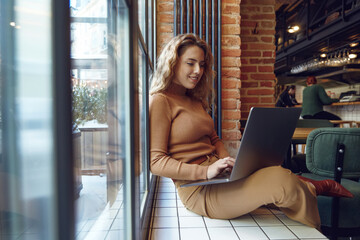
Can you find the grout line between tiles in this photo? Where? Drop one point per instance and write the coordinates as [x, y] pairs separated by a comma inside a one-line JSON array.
[[206, 228], [287, 227], [234, 230], [177, 212], [259, 226]]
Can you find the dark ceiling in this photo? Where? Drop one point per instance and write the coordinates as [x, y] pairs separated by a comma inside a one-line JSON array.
[[325, 27]]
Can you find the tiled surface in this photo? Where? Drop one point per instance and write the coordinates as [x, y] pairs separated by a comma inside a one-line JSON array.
[[171, 220]]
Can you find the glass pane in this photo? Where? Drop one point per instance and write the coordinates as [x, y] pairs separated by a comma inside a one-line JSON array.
[[27, 164], [100, 71], [150, 30], [142, 131], [141, 16]]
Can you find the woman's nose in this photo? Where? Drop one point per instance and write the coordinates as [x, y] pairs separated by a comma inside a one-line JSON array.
[[197, 68]]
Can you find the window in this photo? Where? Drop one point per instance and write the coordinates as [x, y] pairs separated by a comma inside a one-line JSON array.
[[73, 123]]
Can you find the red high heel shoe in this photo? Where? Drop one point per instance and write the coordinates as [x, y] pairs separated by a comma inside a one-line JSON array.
[[328, 187]]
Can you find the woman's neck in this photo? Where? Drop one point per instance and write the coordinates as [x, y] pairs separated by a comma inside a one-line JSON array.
[[176, 89]]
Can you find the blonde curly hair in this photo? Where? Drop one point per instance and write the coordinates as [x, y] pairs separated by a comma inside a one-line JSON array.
[[169, 57]]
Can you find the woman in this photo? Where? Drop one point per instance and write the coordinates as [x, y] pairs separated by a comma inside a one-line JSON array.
[[184, 145], [314, 98], [287, 97]]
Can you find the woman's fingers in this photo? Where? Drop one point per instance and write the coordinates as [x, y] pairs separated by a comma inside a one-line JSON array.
[[221, 166]]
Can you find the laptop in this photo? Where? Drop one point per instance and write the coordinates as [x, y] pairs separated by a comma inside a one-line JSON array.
[[265, 142]]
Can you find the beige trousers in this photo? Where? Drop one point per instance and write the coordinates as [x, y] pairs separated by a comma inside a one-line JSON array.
[[271, 185]]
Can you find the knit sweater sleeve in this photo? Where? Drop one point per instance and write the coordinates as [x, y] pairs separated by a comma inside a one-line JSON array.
[[324, 98], [219, 146], [160, 162]]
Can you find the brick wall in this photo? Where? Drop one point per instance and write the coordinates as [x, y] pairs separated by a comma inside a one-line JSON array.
[[258, 54], [247, 59]]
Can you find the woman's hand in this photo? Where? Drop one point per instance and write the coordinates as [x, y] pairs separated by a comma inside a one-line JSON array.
[[220, 166]]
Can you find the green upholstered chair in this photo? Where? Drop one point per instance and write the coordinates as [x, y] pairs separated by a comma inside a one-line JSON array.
[[334, 153]]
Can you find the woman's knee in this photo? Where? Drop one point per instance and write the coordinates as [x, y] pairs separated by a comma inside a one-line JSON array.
[[281, 178]]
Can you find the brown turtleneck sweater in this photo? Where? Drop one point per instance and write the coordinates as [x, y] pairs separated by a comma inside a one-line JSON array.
[[181, 131]]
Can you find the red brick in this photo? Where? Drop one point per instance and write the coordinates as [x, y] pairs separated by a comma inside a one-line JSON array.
[[259, 2], [261, 46], [165, 18], [228, 125], [267, 24], [231, 135], [230, 41], [250, 100], [244, 77], [228, 52], [263, 76], [250, 54], [269, 60], [268, 39], [266, 32], [165, 7], [263, 16], [249, 9], [248, 69], [231, 114], [230, 9], [230, 83], [260, 92], [267, 84], [231, 62], [268, 53], [244, 61], [231, 29], [266, 68], [268, 9], [249, 84], [231, 1], [231, 72], [243, 46], [166, 28], [229, 104], [249, 39], [248, 24], [267, 100], [245, 31], [230, 94], [230, 19]]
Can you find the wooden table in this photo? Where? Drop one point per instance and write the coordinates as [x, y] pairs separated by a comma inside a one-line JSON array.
[[301, 134]]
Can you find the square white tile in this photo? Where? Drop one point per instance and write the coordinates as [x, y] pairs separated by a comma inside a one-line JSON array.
[[166, 189], [165, 234], [165, 203], [96, 235], [118, 224], [222, 234], [306, 232], [250, 233], [216, 223], [244, 221], [165, 222], [115, 235], [267, 220], [192, 222], [288, 221], [184, 212], [165, 212], [180, 204], [193, 233], [279, 232], [166, 195]]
